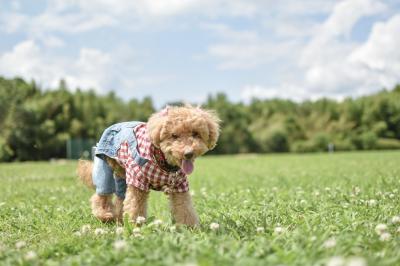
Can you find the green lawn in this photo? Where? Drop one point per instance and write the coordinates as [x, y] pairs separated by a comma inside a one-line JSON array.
[[316, 209]]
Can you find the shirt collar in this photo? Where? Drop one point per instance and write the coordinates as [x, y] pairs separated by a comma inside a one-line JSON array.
[[159, 158]]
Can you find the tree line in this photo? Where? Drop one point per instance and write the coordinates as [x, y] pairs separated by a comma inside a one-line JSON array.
[[35, 124]]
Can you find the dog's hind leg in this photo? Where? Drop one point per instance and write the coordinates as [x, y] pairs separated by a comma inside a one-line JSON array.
[[182, 209], [102, 207], [118, 209], [135, 203]]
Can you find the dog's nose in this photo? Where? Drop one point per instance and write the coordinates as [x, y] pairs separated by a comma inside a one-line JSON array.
[[188, 155]]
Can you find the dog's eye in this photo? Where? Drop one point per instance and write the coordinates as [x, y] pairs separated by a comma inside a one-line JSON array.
[[174, 136], [195, 134]]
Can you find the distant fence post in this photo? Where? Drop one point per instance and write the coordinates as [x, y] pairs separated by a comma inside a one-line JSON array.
[[79, 148], [331, 147]]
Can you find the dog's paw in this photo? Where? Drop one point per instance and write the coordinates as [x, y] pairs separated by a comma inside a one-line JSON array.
[[102, 208], [105, 217]]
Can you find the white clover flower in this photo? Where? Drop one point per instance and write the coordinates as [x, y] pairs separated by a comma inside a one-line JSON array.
[[140, 220], [85, 229], [303, 202], [380, 254], [317, 193], [100, 231], [327, 189], [119, 230], [356, 190], [396, 219], [279, 230], [157, 222], [335, 261], [140, 236], [2, 204], [329, 243], [78, 234], [385, 236], [372, 202], [398, 230], [380, 228], [20, 244], [120, 245], [356, 261], [30, 255], [260, 229], [391, 196], [214, 226], [172, 228], [137, 233]]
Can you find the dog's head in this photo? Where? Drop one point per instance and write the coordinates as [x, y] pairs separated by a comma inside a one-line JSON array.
[[183, 134]]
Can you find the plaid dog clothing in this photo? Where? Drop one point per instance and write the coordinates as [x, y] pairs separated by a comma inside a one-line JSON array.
[[150, 175]]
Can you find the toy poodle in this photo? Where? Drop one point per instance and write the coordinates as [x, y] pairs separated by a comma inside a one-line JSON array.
[[133, 158]]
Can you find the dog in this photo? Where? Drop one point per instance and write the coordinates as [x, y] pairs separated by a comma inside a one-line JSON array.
[[133, 158]]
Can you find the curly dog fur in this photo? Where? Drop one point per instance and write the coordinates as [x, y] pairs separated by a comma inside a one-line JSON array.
[[177, 132]]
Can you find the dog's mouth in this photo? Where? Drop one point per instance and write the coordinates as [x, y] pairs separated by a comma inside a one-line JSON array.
[[187, 166]]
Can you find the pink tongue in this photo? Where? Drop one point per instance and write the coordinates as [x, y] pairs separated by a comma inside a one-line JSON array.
[[187, 166]]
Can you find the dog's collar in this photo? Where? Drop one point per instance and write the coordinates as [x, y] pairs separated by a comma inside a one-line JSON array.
[[159, 158]]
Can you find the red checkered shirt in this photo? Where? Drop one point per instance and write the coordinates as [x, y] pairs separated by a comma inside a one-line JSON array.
[[150, 175]]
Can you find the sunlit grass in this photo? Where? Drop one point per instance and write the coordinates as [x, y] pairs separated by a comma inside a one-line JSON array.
[[255, 210]]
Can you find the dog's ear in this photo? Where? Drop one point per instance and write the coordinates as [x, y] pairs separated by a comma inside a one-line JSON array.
[[155, 125], [213, 124]]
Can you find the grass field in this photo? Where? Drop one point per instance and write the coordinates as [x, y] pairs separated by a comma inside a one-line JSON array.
[[316, 209]]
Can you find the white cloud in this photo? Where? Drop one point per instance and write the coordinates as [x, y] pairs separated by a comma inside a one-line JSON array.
[[83, 15], [325, 44], [335, 66], [248, 49], [12, 21], [245, 49], [379, 57], [286, 91], [346, 13], [91, 69], [49, 22], [15, 4], [328, 61]]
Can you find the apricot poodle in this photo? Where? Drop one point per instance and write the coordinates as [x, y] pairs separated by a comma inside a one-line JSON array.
[[133, 158]]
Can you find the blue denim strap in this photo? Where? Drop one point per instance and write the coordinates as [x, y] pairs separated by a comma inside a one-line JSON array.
[[102, 176], [120, 187]]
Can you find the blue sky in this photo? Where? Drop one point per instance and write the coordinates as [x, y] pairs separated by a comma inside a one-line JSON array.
[[186, 49]]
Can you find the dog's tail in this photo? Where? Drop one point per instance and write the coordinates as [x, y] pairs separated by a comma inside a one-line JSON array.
[[84, 170]]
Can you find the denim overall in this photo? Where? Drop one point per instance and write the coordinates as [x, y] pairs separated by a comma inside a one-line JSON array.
[[103, 178]]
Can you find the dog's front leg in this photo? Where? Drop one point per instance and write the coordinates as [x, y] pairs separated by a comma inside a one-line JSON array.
[[182, 209], [135, 203]]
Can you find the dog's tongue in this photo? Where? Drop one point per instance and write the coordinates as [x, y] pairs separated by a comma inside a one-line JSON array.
[[187, 166]]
